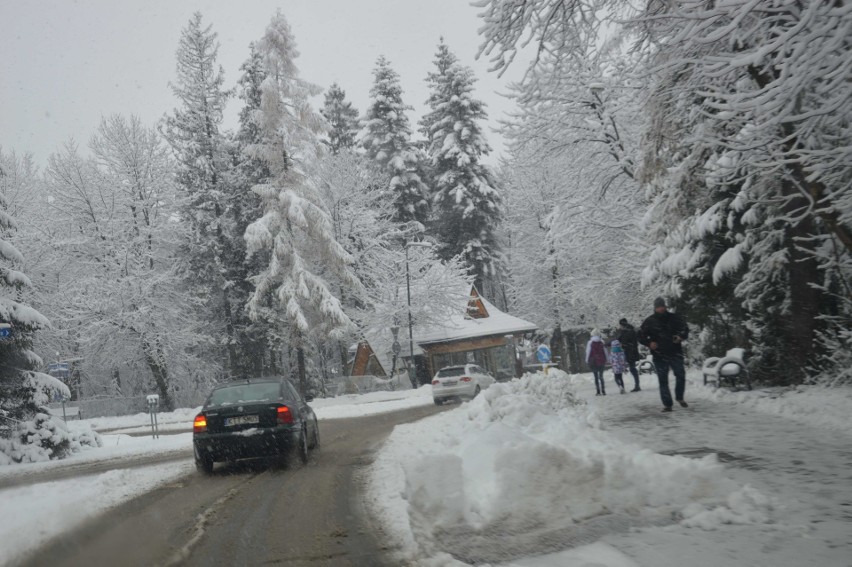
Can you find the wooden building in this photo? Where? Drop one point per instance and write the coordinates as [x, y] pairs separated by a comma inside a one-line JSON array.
[[478, 333]]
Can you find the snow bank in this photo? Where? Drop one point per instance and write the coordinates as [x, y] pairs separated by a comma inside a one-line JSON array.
[[526, 461], [818, 406], [359, 405], [38, 512]]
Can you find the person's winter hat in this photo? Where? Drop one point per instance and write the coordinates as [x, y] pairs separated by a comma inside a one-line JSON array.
[[596, 333], [622, 322], [659, 302]]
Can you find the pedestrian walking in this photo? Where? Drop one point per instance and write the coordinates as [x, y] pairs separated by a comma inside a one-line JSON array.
[[596, 357], [619, 363], [627, 337], [663, 333]]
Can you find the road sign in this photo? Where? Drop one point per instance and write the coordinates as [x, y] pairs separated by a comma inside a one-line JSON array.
[[59, 370], [5, 331], [396, 348], [543, 354]]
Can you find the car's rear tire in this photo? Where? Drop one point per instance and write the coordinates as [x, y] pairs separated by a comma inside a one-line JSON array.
[[204, 463], [439, 402], [316, 443], [301, 450], [476, 391]]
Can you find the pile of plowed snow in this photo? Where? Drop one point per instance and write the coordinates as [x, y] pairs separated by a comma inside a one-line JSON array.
[[523, 468]]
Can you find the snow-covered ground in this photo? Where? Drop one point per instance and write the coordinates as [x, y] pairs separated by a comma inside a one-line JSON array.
[[358, 405], [540, 472], [355, 405], [33, 514]]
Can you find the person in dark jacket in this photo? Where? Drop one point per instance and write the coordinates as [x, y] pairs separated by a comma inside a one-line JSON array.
[[627, 337], [663, 332]]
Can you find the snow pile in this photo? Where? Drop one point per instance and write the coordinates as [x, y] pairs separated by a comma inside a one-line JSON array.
[[525, 465], [814, 405]]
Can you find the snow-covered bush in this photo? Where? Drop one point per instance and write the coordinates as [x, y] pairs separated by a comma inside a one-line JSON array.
[[37, 435]]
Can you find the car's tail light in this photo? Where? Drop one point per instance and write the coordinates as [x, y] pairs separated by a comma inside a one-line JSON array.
[[200, 423], [435, 382], [285, 415], [465, 378]]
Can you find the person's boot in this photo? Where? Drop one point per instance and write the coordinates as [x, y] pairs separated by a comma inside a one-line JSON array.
[[667, 408], [683, 404]]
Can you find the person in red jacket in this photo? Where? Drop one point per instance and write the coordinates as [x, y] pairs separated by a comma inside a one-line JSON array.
[[596, 358], [663, 333]]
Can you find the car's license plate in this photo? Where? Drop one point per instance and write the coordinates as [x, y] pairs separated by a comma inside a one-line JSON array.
[[241, 420], [450, 382]]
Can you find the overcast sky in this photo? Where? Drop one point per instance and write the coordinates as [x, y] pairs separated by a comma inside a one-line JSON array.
[[64, 64]]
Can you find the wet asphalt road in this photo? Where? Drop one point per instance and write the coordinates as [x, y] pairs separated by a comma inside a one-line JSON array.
[[250, 513]]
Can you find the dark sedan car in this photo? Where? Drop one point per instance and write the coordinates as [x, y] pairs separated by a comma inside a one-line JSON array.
[[254, 418]]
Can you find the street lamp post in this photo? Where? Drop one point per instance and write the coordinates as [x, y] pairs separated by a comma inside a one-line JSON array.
[[412, 368]]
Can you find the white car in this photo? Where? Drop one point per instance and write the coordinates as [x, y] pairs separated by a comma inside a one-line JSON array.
[[460, 382]]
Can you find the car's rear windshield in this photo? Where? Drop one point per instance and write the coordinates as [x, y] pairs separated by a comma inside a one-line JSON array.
[[453, 371], [245, 393]]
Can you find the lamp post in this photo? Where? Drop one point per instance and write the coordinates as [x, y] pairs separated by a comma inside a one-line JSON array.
[[412, 368]]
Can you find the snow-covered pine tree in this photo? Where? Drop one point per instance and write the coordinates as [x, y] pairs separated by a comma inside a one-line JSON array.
[[343, 119], [295, 228], [444, 59], [26, 434], [466, 200], [387, 141], [215, 250]]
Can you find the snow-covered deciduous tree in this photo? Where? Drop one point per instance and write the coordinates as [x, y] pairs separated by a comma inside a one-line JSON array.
[[295, 228], [116, 286], [387, 141], [573, 258], [466, 200], [342, 119]]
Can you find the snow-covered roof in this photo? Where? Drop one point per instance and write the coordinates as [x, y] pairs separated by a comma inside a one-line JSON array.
[[461, 326], [487, 321]]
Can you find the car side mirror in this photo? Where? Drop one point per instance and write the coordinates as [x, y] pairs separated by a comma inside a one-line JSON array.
[[309, 398]]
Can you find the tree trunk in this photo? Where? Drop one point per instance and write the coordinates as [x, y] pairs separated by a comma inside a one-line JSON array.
[[155, 359], [300, 362], [799, 328], [236, 371]]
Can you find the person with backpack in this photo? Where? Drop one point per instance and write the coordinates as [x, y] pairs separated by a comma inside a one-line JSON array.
[[619, 363], [663, 332], [596, 358], [627, 337]]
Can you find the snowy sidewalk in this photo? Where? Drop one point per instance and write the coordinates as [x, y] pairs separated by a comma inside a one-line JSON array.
[[543, 466], [807, 469]]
